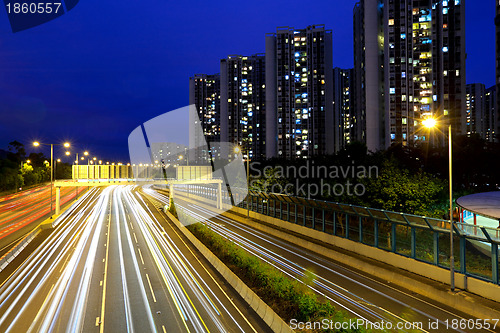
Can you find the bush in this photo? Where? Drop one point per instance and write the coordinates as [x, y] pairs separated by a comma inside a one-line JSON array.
[[289, 298]]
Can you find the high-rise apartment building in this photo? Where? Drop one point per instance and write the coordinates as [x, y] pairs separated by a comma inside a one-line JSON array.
[[369, 117], [243, 97], [475, 122], [299, 92], [497, 24], [422, 74], [342, 106], [204, 93], [491, 115]]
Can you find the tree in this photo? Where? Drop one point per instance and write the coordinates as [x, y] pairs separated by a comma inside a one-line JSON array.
[[17, 151], [269, 182], [397, 190]]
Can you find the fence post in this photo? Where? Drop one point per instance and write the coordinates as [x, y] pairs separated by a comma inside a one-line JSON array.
[[347, 226], [494, 263], [323, 219], [313, 217], [436, 248], [375, 232], [463, 264], [413, 243], [393, 237], [334, 222]]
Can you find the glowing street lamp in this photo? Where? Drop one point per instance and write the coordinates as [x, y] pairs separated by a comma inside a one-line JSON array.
[[21, 169], [431, 123], [66, 145]]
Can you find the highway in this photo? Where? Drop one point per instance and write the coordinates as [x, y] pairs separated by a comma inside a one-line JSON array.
[[22, 212], [113, 264], [357, 293]]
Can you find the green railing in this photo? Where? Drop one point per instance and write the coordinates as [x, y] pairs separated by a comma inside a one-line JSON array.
[[417, 237]]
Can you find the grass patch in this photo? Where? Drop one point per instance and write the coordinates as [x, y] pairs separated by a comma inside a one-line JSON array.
[[289, 298]]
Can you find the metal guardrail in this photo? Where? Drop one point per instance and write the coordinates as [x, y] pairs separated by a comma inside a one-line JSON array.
[[418, 237]]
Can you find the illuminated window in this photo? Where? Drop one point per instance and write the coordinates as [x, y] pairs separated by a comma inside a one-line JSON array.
[[391, 21]]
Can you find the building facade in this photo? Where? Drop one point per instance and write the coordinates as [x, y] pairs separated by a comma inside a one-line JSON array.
[[342, 106], [243, 100], [204, 93], [475, 122], [422, 74], [491, 114], [299, 92], [497, 24], [369, 117]]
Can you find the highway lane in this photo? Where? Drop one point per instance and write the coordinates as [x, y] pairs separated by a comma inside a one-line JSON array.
[[110, 266], [22, 212], [357, 293]]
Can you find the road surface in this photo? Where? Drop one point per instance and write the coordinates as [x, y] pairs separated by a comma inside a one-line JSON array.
[[357, 293], [111, 266]]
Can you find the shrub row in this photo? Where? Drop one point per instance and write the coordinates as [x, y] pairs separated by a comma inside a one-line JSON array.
[[289, 298]]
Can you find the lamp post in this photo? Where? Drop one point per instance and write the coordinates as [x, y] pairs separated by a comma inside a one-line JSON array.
[[432, 123], [55, 168], [66, 145], [21, 169], [237, 150]]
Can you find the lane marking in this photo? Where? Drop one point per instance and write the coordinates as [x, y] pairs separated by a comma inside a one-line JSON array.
[[135, 238], [151, 288], [140, 255], [101, 330], [96, 321], [163, 328]]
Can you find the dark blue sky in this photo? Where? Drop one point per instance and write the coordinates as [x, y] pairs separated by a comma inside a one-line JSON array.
[[99, 71]]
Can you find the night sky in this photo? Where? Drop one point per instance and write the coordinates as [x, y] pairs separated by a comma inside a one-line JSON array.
[[93, 75]]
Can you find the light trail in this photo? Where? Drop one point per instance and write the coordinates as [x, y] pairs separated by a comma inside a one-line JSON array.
[[265, 248], [110, 263]]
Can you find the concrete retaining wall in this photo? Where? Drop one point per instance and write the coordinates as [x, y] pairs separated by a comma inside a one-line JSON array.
[[259, 306], [458, 301]]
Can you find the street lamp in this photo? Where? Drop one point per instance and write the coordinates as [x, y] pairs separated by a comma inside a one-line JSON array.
[[21, 169], [55, 168], [66, 145], [238, 150], [432, 123]]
